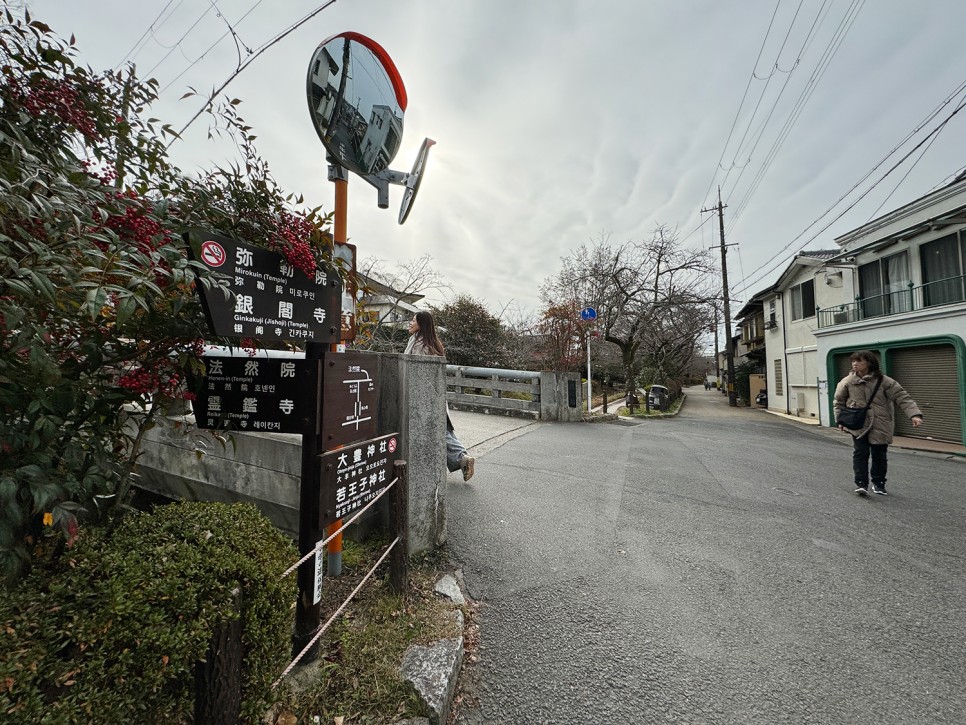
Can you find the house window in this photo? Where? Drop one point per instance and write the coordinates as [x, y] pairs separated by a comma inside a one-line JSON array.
[[884, 286], [803, 300], [779, 383], [942, 270]]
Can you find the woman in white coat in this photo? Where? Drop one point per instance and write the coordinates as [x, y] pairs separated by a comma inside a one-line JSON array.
[[424, 340]]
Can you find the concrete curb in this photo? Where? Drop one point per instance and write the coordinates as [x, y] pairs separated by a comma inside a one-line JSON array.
[[433, 670]]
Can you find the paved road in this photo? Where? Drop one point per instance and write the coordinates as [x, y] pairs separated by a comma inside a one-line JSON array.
[[710, 568]]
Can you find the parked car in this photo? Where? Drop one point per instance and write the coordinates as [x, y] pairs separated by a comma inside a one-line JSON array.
[[656, 394], [762, 398]]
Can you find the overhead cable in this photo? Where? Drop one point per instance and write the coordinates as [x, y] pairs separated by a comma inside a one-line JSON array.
[[928, 138]]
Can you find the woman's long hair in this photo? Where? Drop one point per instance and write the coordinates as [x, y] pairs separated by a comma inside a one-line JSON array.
[[427, 333], [870, 359]]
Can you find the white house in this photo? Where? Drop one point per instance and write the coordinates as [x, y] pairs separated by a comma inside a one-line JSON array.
[[903, 278], [381, 305], [793, 366]]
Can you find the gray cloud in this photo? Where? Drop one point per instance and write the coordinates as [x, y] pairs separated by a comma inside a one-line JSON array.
[[559, 121]]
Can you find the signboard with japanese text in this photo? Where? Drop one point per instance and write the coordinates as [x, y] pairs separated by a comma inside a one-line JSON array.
[[353, 476], [268, 298], [266, 395], [350, 396]]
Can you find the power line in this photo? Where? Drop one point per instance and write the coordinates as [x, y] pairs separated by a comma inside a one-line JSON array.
[[761, 131], [145, 34], [179, 41], [764, 89], [922, 124], [909, 171], [741, 104], [251, 59], [817, 74], [928, 137], [207, 50], [239, 43]]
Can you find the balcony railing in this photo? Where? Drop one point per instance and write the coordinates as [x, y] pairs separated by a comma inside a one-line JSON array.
[[942, 292]]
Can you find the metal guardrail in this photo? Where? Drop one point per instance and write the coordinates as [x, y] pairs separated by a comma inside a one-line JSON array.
[[934, 294]]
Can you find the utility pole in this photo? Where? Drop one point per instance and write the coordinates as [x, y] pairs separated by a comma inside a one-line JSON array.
[[717, 351], [729, 341], [120, 159]]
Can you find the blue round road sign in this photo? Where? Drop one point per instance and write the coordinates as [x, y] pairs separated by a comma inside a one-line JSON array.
[[588, 314]]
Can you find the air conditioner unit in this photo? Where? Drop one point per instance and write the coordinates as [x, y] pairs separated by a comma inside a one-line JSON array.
[[840, 318]]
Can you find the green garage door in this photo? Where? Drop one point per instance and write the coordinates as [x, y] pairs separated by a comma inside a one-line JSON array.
[[931, 376]]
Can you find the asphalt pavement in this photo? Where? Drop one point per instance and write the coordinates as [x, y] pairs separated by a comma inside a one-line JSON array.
[[713, 567]]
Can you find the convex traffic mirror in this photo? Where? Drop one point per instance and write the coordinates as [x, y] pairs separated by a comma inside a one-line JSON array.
[[357, 101]]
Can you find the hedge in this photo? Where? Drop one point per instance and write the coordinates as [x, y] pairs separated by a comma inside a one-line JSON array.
[[112, 631]]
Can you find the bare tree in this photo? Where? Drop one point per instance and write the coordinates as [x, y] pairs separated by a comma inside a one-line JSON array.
[[521, 339], [647, 294], [389, 296]]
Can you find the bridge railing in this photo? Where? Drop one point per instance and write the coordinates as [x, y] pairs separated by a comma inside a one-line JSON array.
[[523, 393]]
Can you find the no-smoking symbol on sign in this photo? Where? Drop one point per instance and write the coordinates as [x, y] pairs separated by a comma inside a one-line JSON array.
[[392, 445], [213, 254]]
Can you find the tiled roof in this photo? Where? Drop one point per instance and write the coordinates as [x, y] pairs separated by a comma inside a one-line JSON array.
[[819, 253]]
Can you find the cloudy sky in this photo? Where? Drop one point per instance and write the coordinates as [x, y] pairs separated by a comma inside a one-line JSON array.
[[560, 121]]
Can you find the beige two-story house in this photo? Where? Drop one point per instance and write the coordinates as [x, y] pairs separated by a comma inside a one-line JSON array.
[[793, 367]]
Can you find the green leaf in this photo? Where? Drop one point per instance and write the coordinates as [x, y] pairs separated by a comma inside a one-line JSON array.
[[20, 286], [126, 309], [30, 471], [95, 300], [44, 494], [8, 489]]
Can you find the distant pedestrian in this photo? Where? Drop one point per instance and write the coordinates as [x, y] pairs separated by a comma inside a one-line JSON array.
[[424, 340], [866, 385]]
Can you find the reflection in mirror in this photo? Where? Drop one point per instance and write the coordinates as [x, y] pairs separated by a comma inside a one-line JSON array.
[[356, 100]]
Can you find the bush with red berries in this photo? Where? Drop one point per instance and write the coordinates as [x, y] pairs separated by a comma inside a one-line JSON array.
[[99, 321]]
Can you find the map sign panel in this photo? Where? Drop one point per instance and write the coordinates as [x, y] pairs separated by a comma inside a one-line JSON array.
[[267, 395], [350, 396], [268, 298], [353, 476]]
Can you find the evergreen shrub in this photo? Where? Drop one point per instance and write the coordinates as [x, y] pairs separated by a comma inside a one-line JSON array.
[[111, 631]]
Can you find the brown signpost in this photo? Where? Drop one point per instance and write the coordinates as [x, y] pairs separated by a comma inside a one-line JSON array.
[[350, 397], [354, 475]]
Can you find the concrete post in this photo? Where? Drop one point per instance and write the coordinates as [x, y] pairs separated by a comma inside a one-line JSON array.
[[413, 401]]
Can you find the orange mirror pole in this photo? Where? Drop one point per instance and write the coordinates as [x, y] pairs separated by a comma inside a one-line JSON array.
[[340, 236]]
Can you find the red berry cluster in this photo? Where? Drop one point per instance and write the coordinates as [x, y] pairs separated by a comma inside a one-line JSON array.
[[56, 98], [159, 378], [106, 175], [292, 239], [140, 380], [135, 225]]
